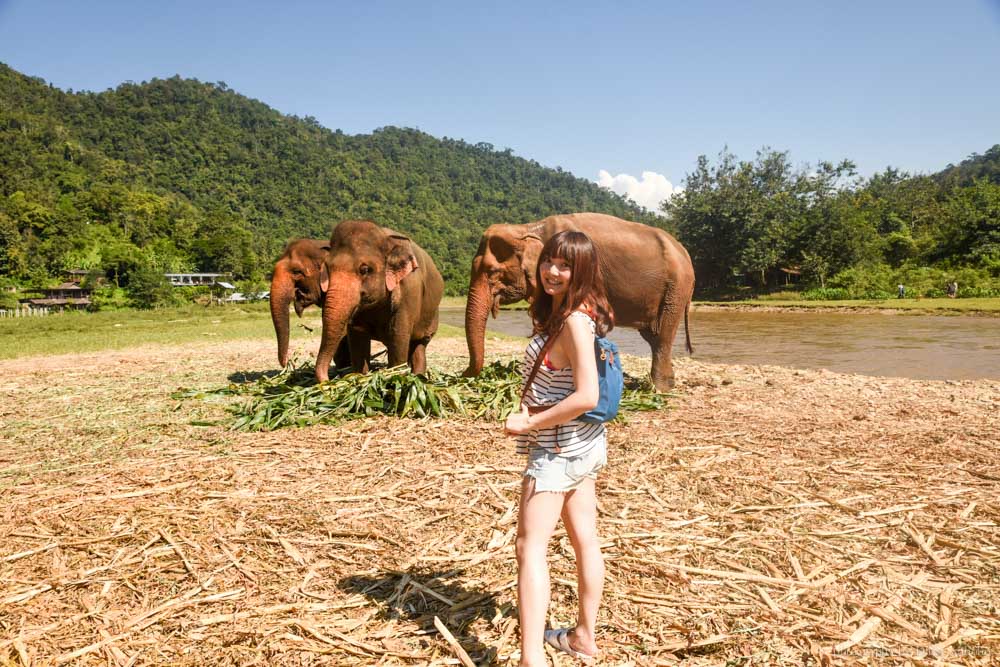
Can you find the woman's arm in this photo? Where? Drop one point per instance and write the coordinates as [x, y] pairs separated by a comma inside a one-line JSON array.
[[578, 341]]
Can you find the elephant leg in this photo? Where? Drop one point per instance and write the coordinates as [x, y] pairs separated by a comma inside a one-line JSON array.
[[663, 366], [662, 372], [342, 359], [398, 343], [361, 350], [418, 356], [418, 349]]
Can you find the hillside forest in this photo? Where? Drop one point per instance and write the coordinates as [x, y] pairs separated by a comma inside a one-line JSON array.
[[178, 175]]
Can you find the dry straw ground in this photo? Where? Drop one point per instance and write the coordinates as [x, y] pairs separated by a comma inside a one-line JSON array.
[[770, 517]]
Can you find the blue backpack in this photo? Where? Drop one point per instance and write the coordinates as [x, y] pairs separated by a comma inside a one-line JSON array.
[[610, 379]]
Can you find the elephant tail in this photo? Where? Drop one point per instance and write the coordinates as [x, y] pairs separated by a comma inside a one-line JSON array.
[[687, 328]]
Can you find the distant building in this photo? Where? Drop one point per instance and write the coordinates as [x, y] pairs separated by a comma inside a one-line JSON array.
[[75, 275], [194, 279], [68, 296], [792, 273]]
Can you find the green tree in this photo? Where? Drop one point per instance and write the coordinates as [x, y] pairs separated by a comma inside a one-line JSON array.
[[750, 218], [970, 225], [148, 288]]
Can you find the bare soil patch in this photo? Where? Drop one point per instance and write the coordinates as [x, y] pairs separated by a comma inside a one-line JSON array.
[[771, 516]]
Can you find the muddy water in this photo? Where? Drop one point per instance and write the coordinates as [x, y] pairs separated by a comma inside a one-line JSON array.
[[914, 346]]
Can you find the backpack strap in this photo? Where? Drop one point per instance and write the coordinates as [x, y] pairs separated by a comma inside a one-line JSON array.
[[545, 350], [538, 360]]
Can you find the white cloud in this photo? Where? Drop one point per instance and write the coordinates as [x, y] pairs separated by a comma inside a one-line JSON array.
[[648, 192]]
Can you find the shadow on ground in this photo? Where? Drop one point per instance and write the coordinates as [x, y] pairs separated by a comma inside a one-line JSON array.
[[418, 595]]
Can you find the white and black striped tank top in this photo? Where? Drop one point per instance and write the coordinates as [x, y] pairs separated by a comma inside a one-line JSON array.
[[574, 438]]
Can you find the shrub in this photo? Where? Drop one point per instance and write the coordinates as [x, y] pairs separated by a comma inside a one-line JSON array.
[[8, 299], [879, 281], [784, 295], [148, 288], [826, 294], [978, 292], [109, 297], [875, 295], [865, 282]]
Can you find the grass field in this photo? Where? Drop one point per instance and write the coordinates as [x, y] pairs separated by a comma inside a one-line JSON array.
[[89, 332]]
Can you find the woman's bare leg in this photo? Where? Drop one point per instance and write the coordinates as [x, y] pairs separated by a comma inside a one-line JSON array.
[[537, 517], [579, 515]]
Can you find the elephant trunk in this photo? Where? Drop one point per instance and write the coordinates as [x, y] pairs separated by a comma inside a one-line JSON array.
[[342, 301], [479, 304], [282, 292]]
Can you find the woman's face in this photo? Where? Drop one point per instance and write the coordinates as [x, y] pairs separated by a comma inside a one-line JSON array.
[[556, 274]]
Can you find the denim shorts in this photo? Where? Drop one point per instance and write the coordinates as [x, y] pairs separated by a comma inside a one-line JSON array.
[[554, 472]]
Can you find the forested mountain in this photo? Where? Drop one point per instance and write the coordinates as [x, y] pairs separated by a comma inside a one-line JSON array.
[[180, 175], [976, 166]]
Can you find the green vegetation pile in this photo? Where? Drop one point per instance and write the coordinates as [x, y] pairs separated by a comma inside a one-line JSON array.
[[293, 398]]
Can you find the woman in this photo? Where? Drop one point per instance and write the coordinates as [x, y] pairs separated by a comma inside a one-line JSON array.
[[564, 454]]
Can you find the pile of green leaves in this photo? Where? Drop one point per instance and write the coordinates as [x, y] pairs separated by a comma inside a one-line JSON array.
[[292, 397]]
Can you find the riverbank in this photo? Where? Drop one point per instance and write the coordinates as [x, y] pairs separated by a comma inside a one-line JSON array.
[[90, 332], [986, 307], [770, 514], [973, 306]]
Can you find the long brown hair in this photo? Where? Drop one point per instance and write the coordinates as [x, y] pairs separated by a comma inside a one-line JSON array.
[[586, 285]]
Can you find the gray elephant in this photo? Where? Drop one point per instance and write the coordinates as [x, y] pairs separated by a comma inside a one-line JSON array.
[[296, 279], [379, 285], [647, 273]]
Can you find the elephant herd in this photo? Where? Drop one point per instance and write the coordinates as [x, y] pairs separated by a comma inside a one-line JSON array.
[[375, 284]]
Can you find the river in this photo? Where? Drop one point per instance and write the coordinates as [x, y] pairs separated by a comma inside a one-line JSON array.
[[925, 347]]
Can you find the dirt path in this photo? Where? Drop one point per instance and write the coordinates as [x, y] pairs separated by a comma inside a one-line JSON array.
[[770, 516]]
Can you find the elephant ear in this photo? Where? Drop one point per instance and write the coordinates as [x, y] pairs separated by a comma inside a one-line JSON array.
[[530, 249], [318, 260], [399, 260], [324, 278]]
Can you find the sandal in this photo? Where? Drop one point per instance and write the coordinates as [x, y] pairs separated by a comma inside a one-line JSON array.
[[558, 639]]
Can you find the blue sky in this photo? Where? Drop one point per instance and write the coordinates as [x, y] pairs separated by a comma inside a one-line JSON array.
[[622, 87]]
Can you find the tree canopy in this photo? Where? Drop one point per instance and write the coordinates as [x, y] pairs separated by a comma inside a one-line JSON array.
[[179, 175], [747, 222]]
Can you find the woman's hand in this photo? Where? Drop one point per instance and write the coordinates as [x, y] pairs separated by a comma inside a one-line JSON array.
[[517, 423]]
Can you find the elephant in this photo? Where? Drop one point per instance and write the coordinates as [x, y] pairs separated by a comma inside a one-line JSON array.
[[296, 277], [647, 273], [379, 285]]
